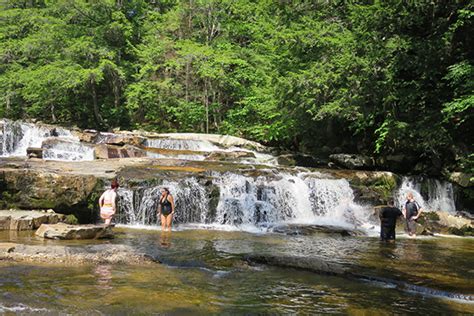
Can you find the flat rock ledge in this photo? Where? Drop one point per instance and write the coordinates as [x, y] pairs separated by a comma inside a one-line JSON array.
[[90, 254], [67, 232], [309, 230], [27, 220]]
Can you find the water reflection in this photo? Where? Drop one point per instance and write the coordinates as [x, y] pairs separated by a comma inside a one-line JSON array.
[[411, 251], [388, 250], [165, 240], [103, 272]]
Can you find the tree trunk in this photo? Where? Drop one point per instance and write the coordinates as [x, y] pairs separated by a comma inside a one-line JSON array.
[[98, 118]]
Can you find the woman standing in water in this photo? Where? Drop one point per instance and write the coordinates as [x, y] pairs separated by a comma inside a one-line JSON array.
[[107, 202], [166, 209]]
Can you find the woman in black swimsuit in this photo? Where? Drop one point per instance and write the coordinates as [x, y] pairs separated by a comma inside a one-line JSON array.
[[166, 209]]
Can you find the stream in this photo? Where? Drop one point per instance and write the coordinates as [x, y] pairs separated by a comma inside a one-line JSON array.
[[203, 272]]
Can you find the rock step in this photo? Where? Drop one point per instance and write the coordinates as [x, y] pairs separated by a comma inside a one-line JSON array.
[[68, 232], [90, 254], [27, 220]]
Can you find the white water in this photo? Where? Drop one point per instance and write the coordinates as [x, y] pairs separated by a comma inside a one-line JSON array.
[[17, 136], [250, 204], [203, 146], [440, 196]]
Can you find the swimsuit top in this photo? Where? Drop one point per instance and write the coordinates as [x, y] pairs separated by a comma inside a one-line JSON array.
[[164, 201]]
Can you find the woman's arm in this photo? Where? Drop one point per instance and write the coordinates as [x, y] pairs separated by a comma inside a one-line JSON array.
[[171, 200], [101, 200], [114, 197]]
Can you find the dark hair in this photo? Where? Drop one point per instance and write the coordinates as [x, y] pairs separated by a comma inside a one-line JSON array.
[[166, 189], [114, 184], [391, 202]]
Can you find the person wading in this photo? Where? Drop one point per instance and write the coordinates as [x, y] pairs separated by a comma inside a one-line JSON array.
[[388, 220], [166, 209], [107, 203], [411, 211]]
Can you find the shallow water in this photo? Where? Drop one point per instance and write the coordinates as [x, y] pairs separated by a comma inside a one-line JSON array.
[[203, 272]]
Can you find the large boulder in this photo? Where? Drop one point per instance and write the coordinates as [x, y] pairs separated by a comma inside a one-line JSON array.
[[64, 231], [352, 161], [27, 220], [105, 151], [44, 189]]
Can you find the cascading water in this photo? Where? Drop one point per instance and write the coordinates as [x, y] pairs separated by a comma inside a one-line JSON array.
[[58, 143], [17, 136], [202, 149], [242, 202], [431, 194], [181, 144]]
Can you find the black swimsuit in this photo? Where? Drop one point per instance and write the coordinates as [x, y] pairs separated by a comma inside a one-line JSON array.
[[166, 208]]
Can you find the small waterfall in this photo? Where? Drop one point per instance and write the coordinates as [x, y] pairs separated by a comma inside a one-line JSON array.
[[17, 136], [65, 149], [180, 144], [431, 194], [244, 202]]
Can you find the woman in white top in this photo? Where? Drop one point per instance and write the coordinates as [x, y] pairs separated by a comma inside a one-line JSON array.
[[107, 203]]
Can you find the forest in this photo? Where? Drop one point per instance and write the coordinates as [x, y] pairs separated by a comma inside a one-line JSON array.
[[372, 77]]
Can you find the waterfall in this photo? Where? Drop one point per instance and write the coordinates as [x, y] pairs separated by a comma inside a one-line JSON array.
[[243, 202], [180, 144], [431, 194], [58, 143]]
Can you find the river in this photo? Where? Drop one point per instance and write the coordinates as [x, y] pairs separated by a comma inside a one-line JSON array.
[[203, 272]]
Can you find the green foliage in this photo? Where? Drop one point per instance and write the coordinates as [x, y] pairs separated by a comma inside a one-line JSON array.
[[378, 77], [71, 220]]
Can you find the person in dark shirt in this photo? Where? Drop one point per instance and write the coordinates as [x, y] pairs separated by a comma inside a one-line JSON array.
[[411, 210], [388, 219]]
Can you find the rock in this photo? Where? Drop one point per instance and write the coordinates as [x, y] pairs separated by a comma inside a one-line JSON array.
[[64, 231], [294, 229], [463, 179], [44, 189], [122, 139], [397, 163], [304, 263], [229, 155], [87, 135], [104, 151], [26, 220], [286, 160], [352, 161], [300, 159], [90, 254], [439, 222], [34, 152]]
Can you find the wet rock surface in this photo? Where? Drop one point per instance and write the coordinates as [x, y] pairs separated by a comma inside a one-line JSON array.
[[68, 232], [27, 220], [308, 230], [90, 254], [352, 161]]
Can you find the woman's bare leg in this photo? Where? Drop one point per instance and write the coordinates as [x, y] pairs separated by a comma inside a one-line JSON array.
[[107, 221], [169, 219], [163, 222]]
